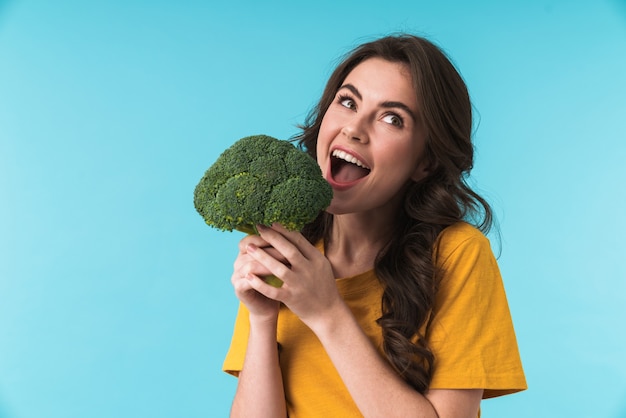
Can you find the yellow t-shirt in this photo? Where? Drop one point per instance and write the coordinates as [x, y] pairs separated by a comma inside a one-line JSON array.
[[469, 331]]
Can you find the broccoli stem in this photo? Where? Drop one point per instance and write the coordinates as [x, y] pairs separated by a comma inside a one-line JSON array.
[[273, 281], [247, 229], [270, 279]]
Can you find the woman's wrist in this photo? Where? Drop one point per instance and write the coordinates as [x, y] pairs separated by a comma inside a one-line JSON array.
[[329, 323], [264, 321]]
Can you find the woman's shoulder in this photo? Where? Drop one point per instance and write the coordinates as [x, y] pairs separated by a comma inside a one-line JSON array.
[[460, 237], [460, 232]]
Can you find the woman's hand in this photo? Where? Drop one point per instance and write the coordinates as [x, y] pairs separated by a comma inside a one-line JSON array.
[[309, 288], [246, 268]]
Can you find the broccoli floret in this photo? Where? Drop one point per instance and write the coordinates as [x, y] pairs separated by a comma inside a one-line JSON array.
[[261, 180]]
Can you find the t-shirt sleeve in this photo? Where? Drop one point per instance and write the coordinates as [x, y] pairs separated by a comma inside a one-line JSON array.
[[233, 363], [470, 331]]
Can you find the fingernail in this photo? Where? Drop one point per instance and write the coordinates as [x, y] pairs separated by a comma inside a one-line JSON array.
[[261, 227], [251, 248]]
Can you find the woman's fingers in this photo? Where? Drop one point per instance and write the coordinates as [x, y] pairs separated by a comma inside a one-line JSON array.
[[259, 285], [257, 303], [260, 243], [252, 239], [274, 266], [288, 243]]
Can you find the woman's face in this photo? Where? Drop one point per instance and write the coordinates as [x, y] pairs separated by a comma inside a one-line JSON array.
[[371, 140]]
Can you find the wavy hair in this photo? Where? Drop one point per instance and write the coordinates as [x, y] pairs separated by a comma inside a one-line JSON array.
[[404, 266]]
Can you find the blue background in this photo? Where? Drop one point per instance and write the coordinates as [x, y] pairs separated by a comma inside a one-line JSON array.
[[115, 298]]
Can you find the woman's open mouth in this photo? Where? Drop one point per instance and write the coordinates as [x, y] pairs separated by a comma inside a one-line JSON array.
[[346, 168]]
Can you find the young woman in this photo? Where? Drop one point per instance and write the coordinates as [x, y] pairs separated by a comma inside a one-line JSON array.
[[392, 303]]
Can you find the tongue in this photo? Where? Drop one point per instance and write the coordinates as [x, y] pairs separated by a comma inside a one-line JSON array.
[[346, 173]]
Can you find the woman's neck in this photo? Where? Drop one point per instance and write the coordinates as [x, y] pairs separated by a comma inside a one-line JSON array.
[[355, 242]]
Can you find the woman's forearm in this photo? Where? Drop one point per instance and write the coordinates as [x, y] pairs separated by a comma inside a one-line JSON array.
[[260, 391], [375, 387]]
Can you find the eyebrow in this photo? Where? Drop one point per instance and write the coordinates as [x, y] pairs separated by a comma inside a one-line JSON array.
[[388, 104]]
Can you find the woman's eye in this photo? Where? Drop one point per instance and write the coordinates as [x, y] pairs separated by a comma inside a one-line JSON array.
[[347, 102], [393, 119]]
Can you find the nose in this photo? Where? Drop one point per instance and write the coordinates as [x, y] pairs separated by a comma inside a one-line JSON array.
[[356, 130]]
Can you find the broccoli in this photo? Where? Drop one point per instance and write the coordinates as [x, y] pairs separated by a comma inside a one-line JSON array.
[[261, 180]]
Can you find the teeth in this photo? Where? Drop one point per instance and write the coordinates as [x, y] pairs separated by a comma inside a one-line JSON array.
[[349, 158]]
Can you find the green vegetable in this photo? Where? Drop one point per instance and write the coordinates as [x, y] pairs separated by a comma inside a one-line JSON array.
[[262, 180]]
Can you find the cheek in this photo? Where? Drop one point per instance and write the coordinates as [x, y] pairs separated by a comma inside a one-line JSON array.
[[324, 128], [331, 123]]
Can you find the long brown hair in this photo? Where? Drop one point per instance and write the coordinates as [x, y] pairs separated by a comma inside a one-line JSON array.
[[405, 265]]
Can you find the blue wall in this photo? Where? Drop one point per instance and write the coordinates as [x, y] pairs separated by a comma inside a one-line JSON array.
[[114, 296]]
